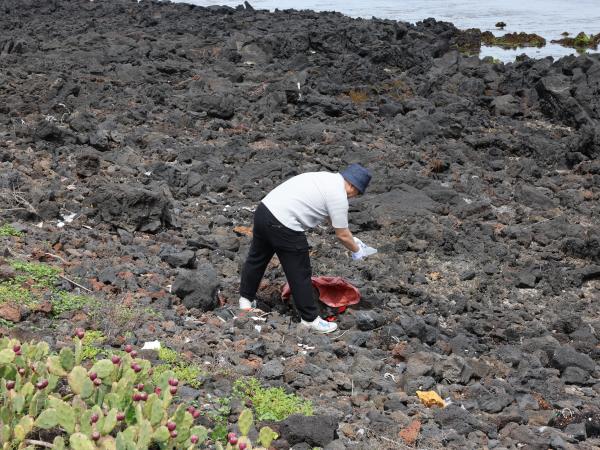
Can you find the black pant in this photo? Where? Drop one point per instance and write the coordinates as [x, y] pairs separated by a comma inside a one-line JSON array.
[[272, 237]]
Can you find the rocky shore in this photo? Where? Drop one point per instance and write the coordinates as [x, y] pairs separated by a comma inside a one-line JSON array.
[[136, 139]]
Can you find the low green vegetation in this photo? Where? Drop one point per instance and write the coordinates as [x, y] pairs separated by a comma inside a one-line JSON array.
[[220, 418], [13, 292], [8, 230], [53, 401], [271, 403], [35, 286], [33, 283], [186, 371], [63, 302], [513, 40], [29, 284], [580, 42], [41, 275], [6, 323], [90, 344]]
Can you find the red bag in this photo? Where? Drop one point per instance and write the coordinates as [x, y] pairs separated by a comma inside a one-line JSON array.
[[333, 291]]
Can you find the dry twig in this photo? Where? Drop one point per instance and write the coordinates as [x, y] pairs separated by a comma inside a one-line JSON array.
[[16, 201], [76, 284]]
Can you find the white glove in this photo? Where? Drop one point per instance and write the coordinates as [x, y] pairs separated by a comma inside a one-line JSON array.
[[363, 250]]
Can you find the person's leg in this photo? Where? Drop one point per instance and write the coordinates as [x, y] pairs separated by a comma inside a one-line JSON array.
[[254, 268], [297, 269], [296, 265], [259, 255]]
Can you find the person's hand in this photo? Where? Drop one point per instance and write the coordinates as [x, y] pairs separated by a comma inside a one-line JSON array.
[[363, 250]]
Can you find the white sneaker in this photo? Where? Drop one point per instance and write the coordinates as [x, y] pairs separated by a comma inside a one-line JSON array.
[[247, 305], [320, 326]]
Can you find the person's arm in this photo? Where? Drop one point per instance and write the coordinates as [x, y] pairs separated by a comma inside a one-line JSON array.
[[346, 238]]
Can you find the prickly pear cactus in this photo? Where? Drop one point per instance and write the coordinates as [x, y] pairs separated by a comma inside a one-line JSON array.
[[265, 436], [111, 406]]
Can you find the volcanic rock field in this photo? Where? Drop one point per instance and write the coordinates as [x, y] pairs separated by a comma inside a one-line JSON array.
[[137, 138]]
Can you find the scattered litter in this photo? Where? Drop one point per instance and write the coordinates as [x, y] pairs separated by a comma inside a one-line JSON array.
[[67, 218], [40, 225], [148, 173], [246, 231], [431, 398], [389, 375], [468, 201], [169, 287], [151, 345], [258, 328], [305, 347], [261, 319]]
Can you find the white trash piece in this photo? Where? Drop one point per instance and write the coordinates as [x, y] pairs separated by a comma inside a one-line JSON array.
[[151, 345]]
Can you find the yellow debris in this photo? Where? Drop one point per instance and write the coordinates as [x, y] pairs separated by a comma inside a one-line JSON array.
[[431, 398]]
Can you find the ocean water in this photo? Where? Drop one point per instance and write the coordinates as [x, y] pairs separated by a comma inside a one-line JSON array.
[[548, 18]]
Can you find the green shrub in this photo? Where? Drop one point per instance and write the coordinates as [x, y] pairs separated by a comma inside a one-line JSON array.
[[271, 403]]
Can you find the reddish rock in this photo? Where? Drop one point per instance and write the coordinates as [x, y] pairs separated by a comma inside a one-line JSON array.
[[410, 434], [45, 307], [400, 351], [10, 311]]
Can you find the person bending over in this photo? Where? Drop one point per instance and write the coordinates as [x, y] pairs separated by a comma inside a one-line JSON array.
[[280, 222]]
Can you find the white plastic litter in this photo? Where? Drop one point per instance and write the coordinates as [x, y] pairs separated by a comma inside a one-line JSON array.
[[151, 345], [67, 218], [258, 328], [389, 375], [305, 347]]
